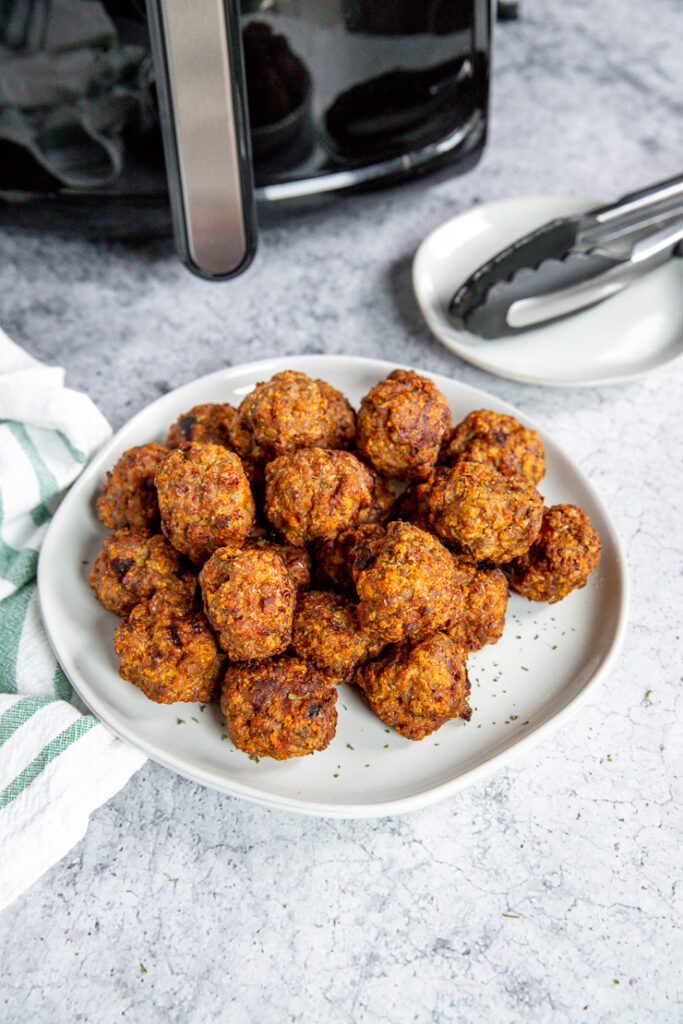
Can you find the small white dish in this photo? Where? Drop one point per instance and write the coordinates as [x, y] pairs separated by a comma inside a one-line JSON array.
[[629, 335], [550, 657]]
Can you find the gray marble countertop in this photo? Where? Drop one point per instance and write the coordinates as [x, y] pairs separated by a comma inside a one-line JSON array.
[[548, 892]]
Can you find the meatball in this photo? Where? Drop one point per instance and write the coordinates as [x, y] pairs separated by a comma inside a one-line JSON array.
[[561, 558], [499, 441], [416, 689], [327, 632], [314, 494], [205, 499], [480, 617], [282, 707], [129, 497], [406, 589], [132, 566], [168, 650], [297, 560], [413, 504], [211, 423], [401, 424], [249, 600], [411, 507], [288, 412], [381, 501], [485, 515], [337, 560]]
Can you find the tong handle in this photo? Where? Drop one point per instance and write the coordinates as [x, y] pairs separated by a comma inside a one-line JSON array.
[[653, 196], [660, 244]]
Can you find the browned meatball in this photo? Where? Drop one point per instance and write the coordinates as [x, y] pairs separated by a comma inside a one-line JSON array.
[[406, 589], [297, 560], [168, 651], [211, 423], [381, 501], [482, 606], [487, 516], [261, 530], [249, 600], [205, 499], [314, 494], [499, 441], [327, 632], [341, 414], [401, 424], [336, 560], [413, 505], [292, 411], [129, 497], [133, 565], [282, 707], [561, 558], [416, 689]]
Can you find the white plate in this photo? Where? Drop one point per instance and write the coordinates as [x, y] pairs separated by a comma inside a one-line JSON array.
[[627, 336], [548, 659]]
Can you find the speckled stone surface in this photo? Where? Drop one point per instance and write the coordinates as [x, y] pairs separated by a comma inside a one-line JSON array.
[[549, 892]]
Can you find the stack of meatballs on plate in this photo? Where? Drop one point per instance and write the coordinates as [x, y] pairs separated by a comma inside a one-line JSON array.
[[265, 552]]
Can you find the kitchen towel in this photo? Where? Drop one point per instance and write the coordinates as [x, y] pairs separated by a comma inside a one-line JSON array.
[[57, 763]]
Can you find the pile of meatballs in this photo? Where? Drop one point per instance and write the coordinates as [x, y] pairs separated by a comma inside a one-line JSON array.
[[268, 554]]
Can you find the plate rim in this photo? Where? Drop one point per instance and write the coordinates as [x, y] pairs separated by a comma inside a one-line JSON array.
[[317, 808], [468, 354]]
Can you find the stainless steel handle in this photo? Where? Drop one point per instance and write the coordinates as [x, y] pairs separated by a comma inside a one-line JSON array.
[[197, 59], [635, 212], [660, 243], [653, 196]]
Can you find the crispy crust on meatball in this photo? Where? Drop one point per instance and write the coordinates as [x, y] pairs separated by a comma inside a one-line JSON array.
[[342, 416], [292, 411], [561, 558], [416, 689], [210, 422], [314, 494], [499, 441], [132, 566], [327, 632], [413, 505], [205, 499], [381, 501], [129, 497], [485, 515], [401, 425], [297, 560], [406, 588], [281, 708], [483, 603], [336, 559], [168, 651], [249, 600]]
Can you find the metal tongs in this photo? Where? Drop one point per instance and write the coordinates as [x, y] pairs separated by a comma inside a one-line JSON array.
[[572, 263]]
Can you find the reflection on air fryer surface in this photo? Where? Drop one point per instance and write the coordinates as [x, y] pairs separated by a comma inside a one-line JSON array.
[[341, 94]]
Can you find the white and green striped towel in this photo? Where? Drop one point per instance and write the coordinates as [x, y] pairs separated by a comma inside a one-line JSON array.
[[57, 763]]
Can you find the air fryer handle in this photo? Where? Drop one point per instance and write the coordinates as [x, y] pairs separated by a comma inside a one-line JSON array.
[[200, 83]]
